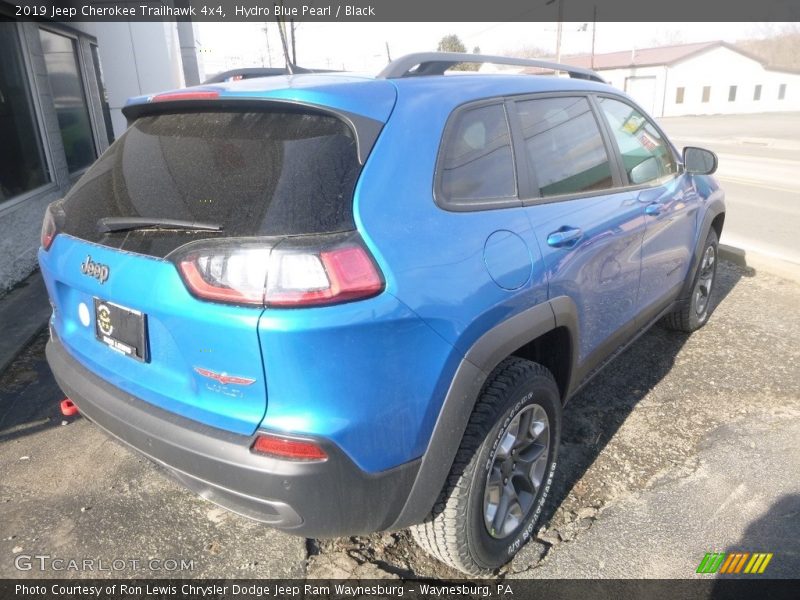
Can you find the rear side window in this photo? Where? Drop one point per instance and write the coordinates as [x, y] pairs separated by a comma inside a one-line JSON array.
[[646, 156], [253, 173], [477, 162], [564, 147]]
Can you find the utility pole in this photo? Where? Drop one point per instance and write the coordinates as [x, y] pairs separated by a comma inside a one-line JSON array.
[[294, 47], [558, 27], [388, 54], [594, 31], [265, 29], [558, 30], [286, 57]]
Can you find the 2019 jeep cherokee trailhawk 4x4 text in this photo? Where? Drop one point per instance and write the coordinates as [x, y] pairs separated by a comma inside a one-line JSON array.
[[341, 304]]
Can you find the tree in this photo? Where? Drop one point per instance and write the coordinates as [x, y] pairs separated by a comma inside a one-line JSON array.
[[529, 51], [779, 49], [667, 37], [452, 43]]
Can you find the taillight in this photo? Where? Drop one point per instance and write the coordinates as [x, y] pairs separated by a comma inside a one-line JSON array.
[[305, 278], [294, 272], [287, 448], [49, 229], [227, 273]]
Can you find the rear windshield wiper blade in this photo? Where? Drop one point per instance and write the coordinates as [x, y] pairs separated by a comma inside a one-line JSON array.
[[109, 224]]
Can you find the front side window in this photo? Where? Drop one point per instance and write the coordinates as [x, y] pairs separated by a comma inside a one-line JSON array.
[[646, 156], [732, 93], [757, 93], [477, 162], [564, 148], [69, 98], [782, 91], [22, 164]]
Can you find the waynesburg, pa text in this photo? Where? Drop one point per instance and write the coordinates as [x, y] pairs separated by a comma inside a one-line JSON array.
[[275, 590]]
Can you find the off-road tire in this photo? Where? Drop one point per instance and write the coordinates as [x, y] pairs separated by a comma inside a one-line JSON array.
[[455, 532], [686, 317]]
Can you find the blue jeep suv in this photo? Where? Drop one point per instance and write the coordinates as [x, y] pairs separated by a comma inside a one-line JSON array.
[[342, 304]]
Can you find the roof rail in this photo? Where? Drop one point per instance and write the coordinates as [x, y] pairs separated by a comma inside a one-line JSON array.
[[253, 72], [436, 63]]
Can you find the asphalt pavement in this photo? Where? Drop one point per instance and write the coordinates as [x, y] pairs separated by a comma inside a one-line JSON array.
[[759, 163]]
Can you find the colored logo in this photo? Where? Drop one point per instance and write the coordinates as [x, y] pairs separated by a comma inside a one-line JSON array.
[[734, 563], [224, 378], [104, 319]]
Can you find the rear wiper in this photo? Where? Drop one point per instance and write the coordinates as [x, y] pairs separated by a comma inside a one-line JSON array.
[[109, 224]]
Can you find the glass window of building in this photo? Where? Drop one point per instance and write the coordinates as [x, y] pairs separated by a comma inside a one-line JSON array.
[[69, 98], [101, 86], [22, 162]]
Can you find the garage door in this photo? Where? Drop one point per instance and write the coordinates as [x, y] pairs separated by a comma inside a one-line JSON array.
[[643, 90]]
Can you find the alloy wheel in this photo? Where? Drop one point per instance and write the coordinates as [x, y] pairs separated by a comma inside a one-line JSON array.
[[517, 471], [702, 290]]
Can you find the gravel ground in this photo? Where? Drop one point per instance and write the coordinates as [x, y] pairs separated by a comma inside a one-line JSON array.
[[647, 429]]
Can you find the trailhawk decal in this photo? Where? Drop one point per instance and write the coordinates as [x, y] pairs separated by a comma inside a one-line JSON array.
[[224, 378]]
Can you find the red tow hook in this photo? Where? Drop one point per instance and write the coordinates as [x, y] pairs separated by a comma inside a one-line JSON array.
[[68, 408]]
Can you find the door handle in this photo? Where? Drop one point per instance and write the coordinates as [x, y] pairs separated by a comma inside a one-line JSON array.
[[564, 237], [653, 209]]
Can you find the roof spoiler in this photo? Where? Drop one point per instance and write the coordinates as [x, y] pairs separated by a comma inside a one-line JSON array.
[[436, 63], [366, 129]]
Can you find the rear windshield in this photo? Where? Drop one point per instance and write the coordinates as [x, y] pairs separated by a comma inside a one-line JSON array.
[[253, 173]]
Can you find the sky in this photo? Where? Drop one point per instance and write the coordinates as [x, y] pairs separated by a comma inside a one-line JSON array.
[[362, 46]]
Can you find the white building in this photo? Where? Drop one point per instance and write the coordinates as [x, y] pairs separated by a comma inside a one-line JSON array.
[[696, 79]]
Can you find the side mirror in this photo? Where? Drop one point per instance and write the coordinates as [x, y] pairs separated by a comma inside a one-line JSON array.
[[699, 161], [645, 171]]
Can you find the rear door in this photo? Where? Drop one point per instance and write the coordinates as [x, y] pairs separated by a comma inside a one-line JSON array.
[[590, 231], [121, 305]]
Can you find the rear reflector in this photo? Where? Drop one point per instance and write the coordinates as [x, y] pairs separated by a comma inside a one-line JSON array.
[[287, 448], [193, 95]]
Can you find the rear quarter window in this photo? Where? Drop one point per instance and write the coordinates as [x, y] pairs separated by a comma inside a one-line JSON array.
[[476, 161]]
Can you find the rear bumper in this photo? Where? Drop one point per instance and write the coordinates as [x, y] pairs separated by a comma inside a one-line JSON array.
[[313, 499]]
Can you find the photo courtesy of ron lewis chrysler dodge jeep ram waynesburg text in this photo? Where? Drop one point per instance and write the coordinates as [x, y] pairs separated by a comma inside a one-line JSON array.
[[342, 304]]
